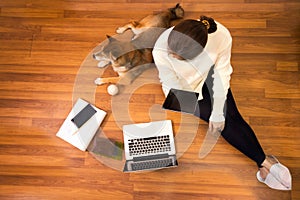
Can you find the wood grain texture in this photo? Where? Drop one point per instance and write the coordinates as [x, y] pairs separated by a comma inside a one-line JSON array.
[[43, 45]]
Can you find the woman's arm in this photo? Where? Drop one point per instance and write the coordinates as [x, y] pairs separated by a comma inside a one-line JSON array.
[[221, 82], [167, 75]]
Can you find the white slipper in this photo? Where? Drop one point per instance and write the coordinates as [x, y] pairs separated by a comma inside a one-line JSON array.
[[271, 181], [281, 173]]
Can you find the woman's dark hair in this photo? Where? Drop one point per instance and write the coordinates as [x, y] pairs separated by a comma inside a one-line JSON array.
[[189, 37]]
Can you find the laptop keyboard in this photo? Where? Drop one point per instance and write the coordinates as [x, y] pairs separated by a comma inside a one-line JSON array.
[[152, 164], [143, 146]]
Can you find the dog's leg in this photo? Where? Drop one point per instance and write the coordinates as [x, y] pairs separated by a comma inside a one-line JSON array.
[[130, 25], [101, 81], [137, 31], [132, 74], [123, 28]]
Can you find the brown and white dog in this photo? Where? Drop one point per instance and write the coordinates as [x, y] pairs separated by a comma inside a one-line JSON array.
[[126, 58], [130, 57], [162, 20]]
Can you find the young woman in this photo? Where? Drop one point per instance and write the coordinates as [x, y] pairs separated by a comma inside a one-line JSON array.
[[185, 55]]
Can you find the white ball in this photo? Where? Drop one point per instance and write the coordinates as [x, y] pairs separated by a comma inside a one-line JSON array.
[[112, 89]]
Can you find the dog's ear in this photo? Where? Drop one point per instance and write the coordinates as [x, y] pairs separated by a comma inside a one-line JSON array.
[[110, 39], [177, 5]]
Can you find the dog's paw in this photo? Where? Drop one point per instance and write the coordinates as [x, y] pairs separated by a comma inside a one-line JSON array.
[[98, 81], [120, 30], [103, 63]]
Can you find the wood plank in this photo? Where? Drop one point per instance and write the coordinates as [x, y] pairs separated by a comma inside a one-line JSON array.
[[45, 192], [287, 66], [31, 12]]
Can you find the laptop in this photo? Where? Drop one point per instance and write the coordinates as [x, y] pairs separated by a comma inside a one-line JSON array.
[[149, 146], [182, 101]]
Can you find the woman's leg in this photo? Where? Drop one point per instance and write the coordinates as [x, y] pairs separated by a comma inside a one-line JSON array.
[[236, 132], [240, 135], [246, 140]]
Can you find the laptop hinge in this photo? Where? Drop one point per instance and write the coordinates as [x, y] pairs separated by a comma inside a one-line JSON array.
[[151, 157]]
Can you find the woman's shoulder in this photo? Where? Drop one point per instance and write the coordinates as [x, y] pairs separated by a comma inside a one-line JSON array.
[[220, 39], [162, 41], [222, 30]]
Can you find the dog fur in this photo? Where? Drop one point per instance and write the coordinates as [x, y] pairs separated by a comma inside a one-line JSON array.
[[162, 20], [130, 57]]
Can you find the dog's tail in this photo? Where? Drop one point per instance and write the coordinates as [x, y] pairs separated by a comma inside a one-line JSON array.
[[177, 12]]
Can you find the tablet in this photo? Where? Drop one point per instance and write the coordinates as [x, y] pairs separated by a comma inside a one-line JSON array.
[[85, 114], [181, 101]]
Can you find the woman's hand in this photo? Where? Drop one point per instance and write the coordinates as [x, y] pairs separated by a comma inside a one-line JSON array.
[[216, 126]]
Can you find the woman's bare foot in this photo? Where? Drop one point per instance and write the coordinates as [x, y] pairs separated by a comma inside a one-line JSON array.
[[263, 172], [268, 162]]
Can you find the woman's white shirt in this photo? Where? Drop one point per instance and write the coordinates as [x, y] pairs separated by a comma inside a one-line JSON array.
[[191, 74]]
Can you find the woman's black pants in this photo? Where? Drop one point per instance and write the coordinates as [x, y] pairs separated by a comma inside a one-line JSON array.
[[236, 132]]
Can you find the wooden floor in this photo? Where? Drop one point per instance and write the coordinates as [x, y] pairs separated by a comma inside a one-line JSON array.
[[44, 50]]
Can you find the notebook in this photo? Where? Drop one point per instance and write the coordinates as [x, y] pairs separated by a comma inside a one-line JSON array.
[[81, 124], [182, 101], [149, 146]]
